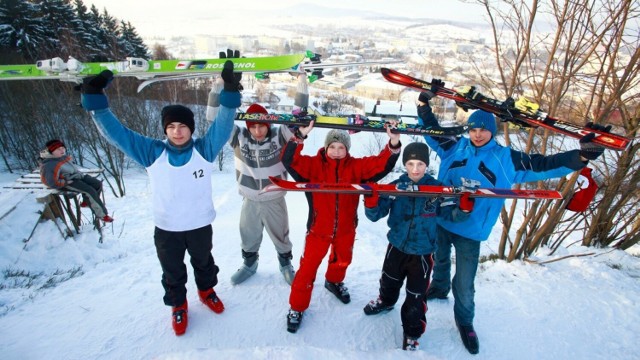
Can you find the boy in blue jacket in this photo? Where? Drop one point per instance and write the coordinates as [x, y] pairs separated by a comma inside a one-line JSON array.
[[481, 158], [412, 241], [179, 168]]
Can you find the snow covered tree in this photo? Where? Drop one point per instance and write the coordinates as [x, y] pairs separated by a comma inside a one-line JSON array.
[[108, 35], [60, 26], [86, 33], [130, 42], [99, 37], [21, 30]]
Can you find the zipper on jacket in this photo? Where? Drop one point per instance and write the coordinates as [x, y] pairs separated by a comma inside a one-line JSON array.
[[336, 219], [258, 167], [413, 211]]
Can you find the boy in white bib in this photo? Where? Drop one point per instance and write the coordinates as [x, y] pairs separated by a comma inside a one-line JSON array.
[[180, 172]]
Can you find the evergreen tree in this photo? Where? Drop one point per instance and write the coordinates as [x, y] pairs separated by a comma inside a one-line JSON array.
[[60, 26], [21, 30], [85, 33], [110, 34], [99, 37], [40, 29], [131, 43]]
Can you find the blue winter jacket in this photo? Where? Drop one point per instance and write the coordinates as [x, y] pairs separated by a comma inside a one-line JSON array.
[[412, 219], [493, 165], [145, 150]]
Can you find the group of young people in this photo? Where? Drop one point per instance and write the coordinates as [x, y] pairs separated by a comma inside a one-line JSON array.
[[422, 230]]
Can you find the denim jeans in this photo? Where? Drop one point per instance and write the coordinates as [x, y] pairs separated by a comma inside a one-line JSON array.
[[467, 253]]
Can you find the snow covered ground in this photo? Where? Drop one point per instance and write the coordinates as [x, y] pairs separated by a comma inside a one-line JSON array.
[[111, 305]]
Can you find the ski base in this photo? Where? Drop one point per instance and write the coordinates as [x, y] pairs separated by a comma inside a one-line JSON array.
[[404, 189]]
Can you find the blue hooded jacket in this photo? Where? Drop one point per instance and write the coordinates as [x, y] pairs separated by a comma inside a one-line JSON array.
[[412, 220], [494, 166]]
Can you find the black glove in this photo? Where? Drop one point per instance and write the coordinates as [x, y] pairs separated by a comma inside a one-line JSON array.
[[427, 95], [96, 84], [231, 78], [588, 149]]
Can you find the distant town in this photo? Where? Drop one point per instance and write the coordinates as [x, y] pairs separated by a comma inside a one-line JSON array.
[[445, 51]]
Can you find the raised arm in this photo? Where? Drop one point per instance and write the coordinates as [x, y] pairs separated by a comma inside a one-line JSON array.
[[142, 149]]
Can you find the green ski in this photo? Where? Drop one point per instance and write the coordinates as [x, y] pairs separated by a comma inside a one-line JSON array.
[[74, 70]]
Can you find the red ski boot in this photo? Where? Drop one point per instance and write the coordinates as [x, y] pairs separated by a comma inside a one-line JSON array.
[[213, 302], [180, 319]]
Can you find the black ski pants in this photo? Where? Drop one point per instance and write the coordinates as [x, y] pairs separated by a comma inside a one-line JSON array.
[[417, 270], [171, 247]]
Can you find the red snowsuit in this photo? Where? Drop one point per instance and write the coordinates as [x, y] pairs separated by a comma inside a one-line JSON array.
[[332, 218]]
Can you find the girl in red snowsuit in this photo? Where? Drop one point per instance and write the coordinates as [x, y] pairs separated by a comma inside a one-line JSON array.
[[332, 221]]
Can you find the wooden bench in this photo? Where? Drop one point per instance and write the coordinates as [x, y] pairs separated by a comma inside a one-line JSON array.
[[57, 203]]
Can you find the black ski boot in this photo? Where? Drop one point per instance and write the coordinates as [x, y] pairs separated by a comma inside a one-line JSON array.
[[435, 293], [469, 338], [376, 307], [339, 290], [409, 343], [294, 318]]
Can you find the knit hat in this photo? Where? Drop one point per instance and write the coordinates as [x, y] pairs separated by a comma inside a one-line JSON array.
[[481, 119], [256, 109], [336, 135], [52, 145], [416, 151], [177, 113]]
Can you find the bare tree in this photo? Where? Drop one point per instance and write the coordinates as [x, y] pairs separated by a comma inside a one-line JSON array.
[[586, 68]]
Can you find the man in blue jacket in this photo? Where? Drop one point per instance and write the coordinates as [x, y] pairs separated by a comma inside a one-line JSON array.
[[179, 168], [479, 157]]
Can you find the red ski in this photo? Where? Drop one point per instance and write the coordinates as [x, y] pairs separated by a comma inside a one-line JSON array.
[[521, 112], [404, 189]]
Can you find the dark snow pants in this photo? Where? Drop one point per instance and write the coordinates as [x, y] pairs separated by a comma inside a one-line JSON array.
[[90, 188], [417, 270], [171, 247]]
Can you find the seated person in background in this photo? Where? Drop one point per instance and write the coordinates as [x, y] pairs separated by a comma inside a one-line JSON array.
[[58, 172]]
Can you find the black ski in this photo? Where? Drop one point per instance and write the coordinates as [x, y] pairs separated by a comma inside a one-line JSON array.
[[353, 123]]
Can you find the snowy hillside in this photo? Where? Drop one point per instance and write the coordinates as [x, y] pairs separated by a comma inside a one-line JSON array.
[[78, 299]]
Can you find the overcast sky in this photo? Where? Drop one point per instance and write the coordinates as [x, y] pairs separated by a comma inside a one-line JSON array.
[[462, 11], [155, 16]]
